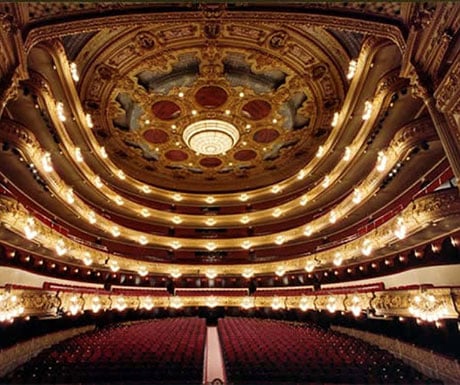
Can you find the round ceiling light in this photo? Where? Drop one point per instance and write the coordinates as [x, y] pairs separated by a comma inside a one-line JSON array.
[[211, 137]]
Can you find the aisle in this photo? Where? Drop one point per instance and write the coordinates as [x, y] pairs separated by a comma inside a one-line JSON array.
[[214, 367]]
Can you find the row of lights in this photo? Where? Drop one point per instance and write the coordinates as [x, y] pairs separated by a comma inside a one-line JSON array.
[[400, 230], [357, 194], [424, 306]]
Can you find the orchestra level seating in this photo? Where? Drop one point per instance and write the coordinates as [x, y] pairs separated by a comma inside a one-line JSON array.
[[266, 351], [166, 351]]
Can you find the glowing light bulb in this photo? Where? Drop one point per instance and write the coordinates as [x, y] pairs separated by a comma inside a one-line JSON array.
[[357, 196], [210, 199], [211, 302], [244, 197], [147, 304], [247, 273], [145, 212], [120, 303], [401, 229], [335, 119], [246, 244], [98, 182], [115, 231], [277, 212], [245, 219], [143, 240], [280, 271], [367, 110], [310, 266], [303, 200], [326, 181], [69, 196], [308, 231], [121, 175], [332, 216], [277, 303], [177, 197], [114, 266], [96, 304], [176, 245], [142, 271], [210, 222], [338, 259], [146, 189], [352, 66], [175, 273], [301, 174], [211, 246], [87, 259], [347, 154], [30, 231], [247, 302], [366, 247], [119, 200], [177, 219], [92, 217], [60, 111], [103, 153], [303, 303], [89, 121], [280, 239], [321, 151], [78, 155], [60, 247], [331, 304], [211, 273], [175, 302], [276, 189], [46, 162], [381, 161], [74, 72]]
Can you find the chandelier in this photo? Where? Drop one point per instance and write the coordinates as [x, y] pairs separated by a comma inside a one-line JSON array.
[[210, 136], [427, 307]]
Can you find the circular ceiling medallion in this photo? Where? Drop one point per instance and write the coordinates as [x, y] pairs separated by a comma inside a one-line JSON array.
[[211, 96], [176, 155], [266, 135], [156, 136], [257, 109], [210, 162], [166, 110], [244, 155], [211, 137]]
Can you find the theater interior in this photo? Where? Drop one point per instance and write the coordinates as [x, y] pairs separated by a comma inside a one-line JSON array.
[[237, 192]]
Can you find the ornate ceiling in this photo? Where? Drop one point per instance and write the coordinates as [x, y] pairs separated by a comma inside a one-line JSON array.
[[225, 139]]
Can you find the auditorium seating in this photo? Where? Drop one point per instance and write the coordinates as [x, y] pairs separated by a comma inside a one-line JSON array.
[[160, 351], [266, 351]]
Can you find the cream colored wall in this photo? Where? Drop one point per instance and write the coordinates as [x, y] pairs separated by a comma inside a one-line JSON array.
[[448, 275], [9, 275]]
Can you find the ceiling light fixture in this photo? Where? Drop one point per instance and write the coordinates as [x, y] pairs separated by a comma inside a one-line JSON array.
[[210, 136]]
